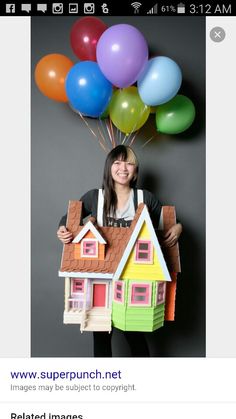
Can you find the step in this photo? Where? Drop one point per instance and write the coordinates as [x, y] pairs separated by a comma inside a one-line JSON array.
[[97, 328]]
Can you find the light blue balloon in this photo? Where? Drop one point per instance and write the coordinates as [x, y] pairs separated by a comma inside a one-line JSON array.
[[87, 89], [160, 81]]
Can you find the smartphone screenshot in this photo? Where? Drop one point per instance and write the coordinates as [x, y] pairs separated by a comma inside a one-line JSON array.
[[118, 202]]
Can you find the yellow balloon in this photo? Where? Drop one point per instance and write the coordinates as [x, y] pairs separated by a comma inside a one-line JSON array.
[[127, 111]]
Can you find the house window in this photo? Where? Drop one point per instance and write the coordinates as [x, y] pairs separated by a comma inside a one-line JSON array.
[[119, 291], [77, 286], [161, 292], [143, 253], [89, 248], [140, 294]]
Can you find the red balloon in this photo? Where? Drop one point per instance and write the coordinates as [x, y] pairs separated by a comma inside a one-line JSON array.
[[84, 37]]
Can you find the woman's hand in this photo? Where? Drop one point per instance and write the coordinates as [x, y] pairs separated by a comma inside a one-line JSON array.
[[64, 235], [172, 235]]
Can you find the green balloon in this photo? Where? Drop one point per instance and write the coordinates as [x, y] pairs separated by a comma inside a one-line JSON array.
[[175, 116]]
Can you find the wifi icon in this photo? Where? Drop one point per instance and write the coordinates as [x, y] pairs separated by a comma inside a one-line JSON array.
[[136, 5]]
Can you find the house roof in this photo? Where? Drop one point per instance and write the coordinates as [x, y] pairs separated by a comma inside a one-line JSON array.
[[117, 239]]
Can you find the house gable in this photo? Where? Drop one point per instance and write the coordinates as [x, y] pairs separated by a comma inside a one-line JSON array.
[[97, 250], [128, 268], [89, 227], [89, 244]]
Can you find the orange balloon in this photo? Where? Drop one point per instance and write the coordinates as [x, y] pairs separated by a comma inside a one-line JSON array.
[[50, 75]]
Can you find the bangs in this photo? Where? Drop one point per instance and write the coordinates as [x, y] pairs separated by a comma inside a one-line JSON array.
[[125, 153], [131, 157]]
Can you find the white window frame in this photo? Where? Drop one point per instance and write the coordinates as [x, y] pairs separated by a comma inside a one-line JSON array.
[[84, 241]]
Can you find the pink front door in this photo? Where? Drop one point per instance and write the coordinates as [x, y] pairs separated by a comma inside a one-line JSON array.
[[99, 295]]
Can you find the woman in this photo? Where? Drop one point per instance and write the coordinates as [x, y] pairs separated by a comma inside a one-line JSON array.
[[115, 205]]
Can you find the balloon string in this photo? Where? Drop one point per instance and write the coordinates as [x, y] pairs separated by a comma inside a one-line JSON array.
[[109, 133], [112, 132], [148, 141], [123, 140], [101, 134], [87, 124], [132, 139], [102, 127], [104, 140]]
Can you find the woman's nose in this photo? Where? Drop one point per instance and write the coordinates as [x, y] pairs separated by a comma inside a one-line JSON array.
[[123, 165]]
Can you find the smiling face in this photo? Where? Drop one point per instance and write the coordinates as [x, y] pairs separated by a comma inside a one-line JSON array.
[[123, 172], [121, 168]]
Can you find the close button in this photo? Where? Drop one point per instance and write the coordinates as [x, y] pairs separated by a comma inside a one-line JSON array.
[[217, 34]]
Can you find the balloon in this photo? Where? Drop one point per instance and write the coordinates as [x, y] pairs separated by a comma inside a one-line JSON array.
[[84, 36], [127, 112], [88, 91], [160, 81], [122, 52], [153, 109], [175, 116], [105, 114], [50, 74]]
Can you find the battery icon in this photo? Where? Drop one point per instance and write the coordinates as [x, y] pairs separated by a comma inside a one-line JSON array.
[[181, 8]]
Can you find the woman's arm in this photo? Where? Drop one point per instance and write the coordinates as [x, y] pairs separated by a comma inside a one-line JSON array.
[[154, 207], [64, 235], [172, 235]]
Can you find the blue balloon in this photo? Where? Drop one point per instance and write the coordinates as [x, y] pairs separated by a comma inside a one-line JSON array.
[[88, 91], [160, 81]]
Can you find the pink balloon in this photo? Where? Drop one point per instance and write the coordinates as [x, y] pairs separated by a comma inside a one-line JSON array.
[[122, 52]]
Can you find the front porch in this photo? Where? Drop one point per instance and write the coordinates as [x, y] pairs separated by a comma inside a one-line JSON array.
[[95, 319]]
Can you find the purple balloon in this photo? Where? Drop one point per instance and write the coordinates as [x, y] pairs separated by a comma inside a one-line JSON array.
[[122, 52]]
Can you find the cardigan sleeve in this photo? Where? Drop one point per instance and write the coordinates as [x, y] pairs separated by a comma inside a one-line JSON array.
[[154, 207]]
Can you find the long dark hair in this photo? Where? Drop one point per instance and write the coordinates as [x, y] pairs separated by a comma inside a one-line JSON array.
[[124, 153]]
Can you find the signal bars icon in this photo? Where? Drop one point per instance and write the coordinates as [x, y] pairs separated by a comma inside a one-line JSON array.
[[153, 10], [136, 5]]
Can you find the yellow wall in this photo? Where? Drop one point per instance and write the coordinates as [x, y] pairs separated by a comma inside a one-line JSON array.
[[143, 271]]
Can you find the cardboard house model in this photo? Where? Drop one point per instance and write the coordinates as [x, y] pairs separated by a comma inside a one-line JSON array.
[[119, 276]]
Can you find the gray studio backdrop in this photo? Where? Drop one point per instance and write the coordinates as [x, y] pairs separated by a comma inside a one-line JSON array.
[[67, 161]]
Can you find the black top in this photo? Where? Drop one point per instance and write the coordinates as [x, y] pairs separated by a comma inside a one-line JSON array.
[[90, 202]]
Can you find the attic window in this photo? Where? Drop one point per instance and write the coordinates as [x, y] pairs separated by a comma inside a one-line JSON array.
[[161, 292], [143, 252], [119, 291], [89, 248], [140, 294]]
